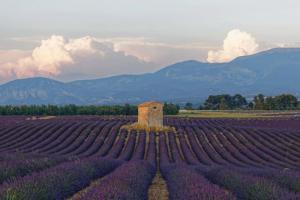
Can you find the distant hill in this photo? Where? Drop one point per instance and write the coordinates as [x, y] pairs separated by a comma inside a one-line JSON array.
[[270, 72]]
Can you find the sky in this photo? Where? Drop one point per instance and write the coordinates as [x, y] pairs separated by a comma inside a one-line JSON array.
[[74, 39]]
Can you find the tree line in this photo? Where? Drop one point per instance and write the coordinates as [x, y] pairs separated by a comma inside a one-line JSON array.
[[259, 102], [127, 109], [213, 102]]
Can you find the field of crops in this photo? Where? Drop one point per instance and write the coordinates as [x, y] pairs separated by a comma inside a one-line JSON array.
[[91, 158]]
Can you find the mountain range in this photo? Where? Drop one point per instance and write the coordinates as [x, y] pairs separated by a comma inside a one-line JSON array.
[[270, 72]]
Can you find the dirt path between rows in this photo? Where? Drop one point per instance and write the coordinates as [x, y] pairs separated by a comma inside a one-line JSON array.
[[158, 189]]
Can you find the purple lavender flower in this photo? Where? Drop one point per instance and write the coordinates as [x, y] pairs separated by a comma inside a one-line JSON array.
[[130, 181], [186, 184], [248, 187], [58, 182]]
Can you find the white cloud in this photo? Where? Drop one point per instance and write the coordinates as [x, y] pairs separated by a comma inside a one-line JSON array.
[[89, 57], [6, 57], [237, 43], [158, 52], [46, 59], [74, 58]]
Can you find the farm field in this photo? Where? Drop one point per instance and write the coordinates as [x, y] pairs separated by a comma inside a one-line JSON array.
[[237, 113], [90, 158]]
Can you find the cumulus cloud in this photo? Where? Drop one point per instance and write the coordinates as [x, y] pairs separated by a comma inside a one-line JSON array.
[[64, 58], [90, 57], [161, 53], [237, 43], [6, 56]]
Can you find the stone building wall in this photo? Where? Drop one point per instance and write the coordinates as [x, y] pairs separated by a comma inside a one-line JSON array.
[[150, 114]]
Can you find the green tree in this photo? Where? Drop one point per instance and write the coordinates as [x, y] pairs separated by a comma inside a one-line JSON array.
[[238, 101], [286, 102], [270, 103], [259, 102], [171, 109], [225, 101], [188, 106], [223, 104]]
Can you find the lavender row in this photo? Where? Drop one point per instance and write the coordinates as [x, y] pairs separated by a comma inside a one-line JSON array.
[[129, 148], [249, 187], [289, 179], [186, 184], [18, 167], [139, 152], [130, 181], [59, 182], [152, 151]]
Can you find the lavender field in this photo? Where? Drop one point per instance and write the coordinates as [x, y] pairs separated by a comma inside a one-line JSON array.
[[85, 158]]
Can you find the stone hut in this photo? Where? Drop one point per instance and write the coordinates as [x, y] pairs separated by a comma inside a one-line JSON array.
[[150, 114]]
